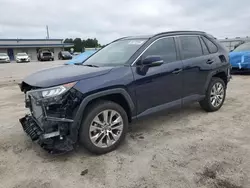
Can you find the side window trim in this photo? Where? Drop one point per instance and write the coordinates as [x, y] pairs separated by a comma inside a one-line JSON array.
[[176, 49]]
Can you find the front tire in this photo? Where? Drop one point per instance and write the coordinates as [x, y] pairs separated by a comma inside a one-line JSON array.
[[104, 127], [215, 95]]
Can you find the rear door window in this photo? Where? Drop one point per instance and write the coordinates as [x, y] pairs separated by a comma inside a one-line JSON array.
[[191, 46], [165, 48], [211, 46]]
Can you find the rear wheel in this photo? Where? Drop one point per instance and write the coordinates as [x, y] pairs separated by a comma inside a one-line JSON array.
[[103, 127], [215, 95]]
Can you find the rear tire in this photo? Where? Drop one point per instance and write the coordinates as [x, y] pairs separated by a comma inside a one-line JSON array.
[[104, 136], [215, 95]]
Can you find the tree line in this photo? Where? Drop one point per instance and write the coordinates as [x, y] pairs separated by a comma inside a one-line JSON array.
[[80, 45]]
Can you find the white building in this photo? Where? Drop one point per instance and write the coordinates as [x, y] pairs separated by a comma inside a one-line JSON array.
[[31, 46]]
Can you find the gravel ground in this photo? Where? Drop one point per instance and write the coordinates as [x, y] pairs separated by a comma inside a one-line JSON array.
[[179, 149]]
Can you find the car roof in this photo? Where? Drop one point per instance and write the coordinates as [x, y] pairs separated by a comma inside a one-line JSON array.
[[162, 33]]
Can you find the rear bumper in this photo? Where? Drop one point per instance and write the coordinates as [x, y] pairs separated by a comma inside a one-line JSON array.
[[47, 58], [67, 58]]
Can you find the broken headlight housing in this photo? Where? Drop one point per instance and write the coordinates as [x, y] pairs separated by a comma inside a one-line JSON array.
[[51, 94], [56, 91]]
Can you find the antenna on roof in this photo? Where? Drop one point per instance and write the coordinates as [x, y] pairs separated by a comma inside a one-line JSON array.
[[47, 29]]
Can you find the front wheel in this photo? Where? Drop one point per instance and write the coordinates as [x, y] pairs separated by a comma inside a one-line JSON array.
[[103, 127], [215, 95]]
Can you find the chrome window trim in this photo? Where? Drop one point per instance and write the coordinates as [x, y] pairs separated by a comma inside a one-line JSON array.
[[174, 36]]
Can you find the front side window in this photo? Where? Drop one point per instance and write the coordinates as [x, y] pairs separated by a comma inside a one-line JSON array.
[[211, 46], [165, 48], [191, 46], [116, 53]]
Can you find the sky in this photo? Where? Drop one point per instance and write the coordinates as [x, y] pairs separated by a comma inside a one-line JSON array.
[[108, 20]]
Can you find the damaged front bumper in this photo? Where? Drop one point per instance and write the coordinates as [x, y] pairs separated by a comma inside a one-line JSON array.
[[52, 142], [51, 122]]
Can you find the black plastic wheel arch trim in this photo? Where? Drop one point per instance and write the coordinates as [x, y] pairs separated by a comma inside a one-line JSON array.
[[78, 117]]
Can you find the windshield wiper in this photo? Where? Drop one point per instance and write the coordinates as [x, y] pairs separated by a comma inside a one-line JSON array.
[[89, 65]]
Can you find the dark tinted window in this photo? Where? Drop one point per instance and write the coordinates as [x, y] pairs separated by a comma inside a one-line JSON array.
[[211, 46], [204, 48], [65, 53], [191, 46], [165, 48]]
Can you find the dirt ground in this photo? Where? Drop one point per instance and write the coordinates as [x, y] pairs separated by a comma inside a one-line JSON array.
[[186, 148]]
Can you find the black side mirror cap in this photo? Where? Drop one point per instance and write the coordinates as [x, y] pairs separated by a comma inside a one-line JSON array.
[[152, 61]]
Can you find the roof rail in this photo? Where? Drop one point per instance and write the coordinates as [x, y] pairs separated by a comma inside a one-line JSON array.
[[170, 32], [119, 39]]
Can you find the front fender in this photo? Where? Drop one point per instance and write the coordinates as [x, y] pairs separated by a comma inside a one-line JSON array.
[[78, 117]]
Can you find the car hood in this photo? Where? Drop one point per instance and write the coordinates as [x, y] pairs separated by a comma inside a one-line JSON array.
[[239, 57], [4, 57], [64, 74], [25, 56]]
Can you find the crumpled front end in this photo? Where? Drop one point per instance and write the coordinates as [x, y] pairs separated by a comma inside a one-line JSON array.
[[51, 118]]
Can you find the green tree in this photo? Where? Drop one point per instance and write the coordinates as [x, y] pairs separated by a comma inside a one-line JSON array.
[[80, 45], [67, 40]]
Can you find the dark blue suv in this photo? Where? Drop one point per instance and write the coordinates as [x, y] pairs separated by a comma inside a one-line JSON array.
[[131, 77]]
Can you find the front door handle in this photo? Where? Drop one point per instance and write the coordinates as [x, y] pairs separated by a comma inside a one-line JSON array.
[[177, 71], [210, 61]]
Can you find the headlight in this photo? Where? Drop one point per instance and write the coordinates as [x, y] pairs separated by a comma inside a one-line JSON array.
[[55, 91]]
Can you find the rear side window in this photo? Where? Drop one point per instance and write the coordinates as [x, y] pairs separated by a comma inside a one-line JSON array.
[[165, 48], [204, 48], [211, 46], [191, 46]]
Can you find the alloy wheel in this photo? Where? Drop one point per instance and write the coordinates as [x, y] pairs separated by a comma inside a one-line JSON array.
[[217, 94], [106, 128]]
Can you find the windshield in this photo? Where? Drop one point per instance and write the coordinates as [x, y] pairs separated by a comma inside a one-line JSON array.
[[242, 48], [22, 54], [116, 53], [3, 54]]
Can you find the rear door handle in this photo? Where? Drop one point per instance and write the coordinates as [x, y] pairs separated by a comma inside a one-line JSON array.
[[177, 71], [210, 61]]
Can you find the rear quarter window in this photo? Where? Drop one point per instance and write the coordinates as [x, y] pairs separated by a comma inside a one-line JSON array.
[[211, 46]]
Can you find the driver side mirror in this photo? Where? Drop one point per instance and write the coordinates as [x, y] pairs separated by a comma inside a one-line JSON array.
[[152, 61]]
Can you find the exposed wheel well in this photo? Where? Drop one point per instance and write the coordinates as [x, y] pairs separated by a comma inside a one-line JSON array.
[[222, 75], [117, 98]]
